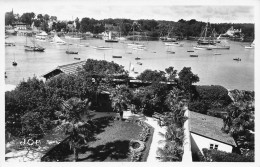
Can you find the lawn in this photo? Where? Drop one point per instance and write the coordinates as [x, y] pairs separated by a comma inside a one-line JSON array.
[[110, 142]]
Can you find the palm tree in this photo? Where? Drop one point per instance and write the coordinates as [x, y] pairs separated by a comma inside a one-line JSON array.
[[173, 148], [75, 121]]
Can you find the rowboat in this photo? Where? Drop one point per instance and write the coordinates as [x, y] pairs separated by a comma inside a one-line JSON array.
[[194, 56], [117, 56]]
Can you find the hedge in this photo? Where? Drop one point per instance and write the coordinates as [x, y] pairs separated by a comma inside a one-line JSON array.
[[221, 156]]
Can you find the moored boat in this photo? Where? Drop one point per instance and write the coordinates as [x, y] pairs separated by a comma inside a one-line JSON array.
[[251, 46], [237, 59], [169, 51], [9, 44], [71, 52], [35, 47], [137, 58], [102, 48], [57, 40], [76, 58], [110, 39], [194, 55], [117, 56], [210, 47]]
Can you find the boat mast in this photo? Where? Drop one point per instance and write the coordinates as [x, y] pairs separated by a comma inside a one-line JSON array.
[[133, 33], [206, 31]]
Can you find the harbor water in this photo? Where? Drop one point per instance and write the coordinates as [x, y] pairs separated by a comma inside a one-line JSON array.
[[214, 67]]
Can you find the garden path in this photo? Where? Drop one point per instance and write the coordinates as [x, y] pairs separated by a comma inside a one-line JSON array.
[[152, 156]]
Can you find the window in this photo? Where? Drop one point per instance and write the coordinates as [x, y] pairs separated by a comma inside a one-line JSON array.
[[213, 146]]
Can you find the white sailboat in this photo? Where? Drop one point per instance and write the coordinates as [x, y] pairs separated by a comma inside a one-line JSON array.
[[251, 46], [57, 40], [110, 39], [70, 51]]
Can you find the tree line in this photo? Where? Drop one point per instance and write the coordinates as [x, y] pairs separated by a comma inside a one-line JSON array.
[[151, 28]]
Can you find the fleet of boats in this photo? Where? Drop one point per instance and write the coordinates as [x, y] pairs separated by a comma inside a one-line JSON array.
[[204, 43]]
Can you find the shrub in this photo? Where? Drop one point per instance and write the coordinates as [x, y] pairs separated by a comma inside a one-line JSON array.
[[221, 156], [217, 95]]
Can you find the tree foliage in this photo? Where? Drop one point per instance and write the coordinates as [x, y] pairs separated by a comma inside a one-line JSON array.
[[73, 120], [27, 18], [152, 76], [221, 156], [187, 78]]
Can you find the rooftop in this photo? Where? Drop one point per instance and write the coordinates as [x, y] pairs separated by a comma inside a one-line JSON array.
[[67, 69], [209, 127]]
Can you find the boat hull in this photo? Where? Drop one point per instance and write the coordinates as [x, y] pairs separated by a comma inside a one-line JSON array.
[[111, 40], [210, 47], [71, 52], [33, 49]]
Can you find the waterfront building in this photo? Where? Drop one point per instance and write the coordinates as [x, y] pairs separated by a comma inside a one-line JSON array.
[[205, 132]]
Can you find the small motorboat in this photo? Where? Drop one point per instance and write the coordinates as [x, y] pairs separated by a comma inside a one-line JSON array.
[[194, 56], [169, 51], [9, 44], [14, 63], [237, 59], [217, 53], [249, 47], [139, 63], [76, 58], [190, 51], [117, 56], [71, 52], [103, 48], [137, 58]]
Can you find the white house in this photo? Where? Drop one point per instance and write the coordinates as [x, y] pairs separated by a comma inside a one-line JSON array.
[[205, 132]]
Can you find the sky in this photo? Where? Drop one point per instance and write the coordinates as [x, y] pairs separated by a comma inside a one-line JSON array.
[[222, 11]]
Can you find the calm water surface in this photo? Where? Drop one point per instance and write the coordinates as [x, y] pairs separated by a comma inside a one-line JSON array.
[[211, 69]]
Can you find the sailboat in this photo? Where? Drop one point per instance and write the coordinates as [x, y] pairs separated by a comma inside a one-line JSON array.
[[73, 36], [35, 47], [57, 40], [68, 51], [134, 43], [167, 38], [251, 46], [14, 62], [110, 39], [204, 40]]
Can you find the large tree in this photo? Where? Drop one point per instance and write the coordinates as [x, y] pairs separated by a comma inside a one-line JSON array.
[[187, 78], [27, 18], [9, 18], [75, 121], [152, 76]]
